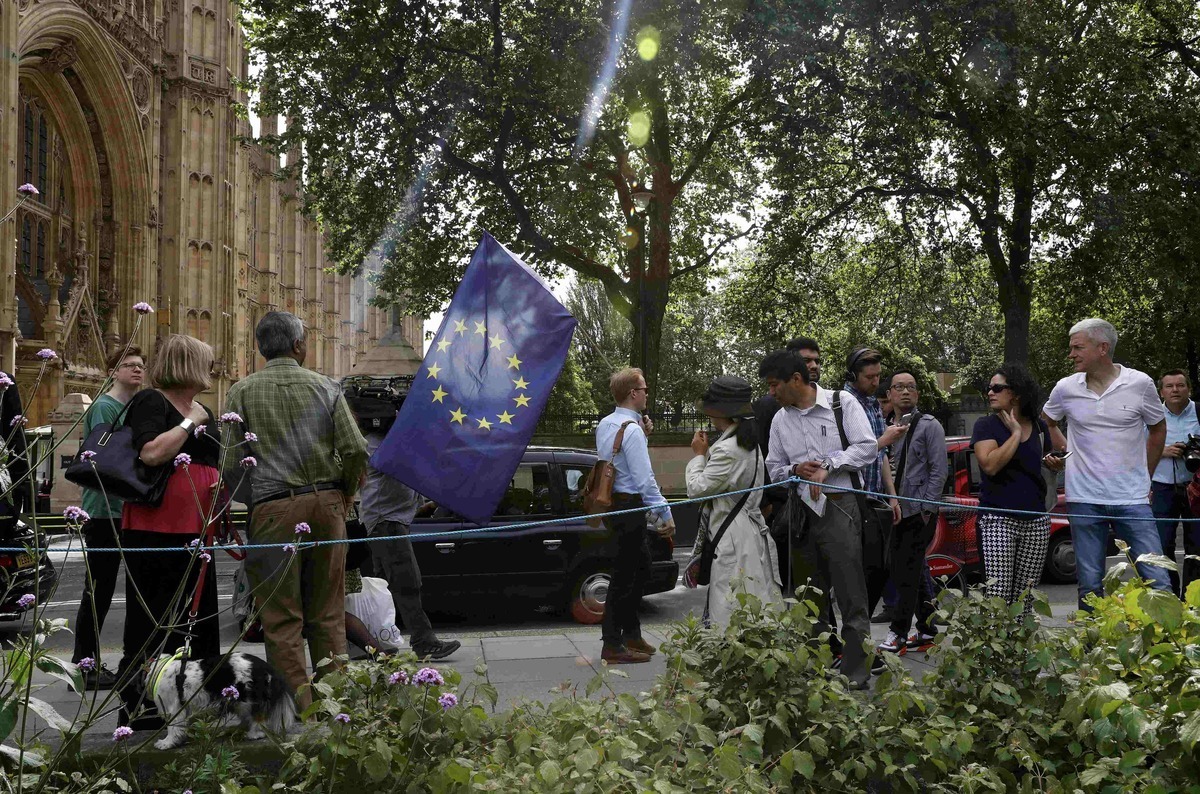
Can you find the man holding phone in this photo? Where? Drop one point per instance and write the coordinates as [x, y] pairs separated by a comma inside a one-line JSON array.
[[634, 486], [1117, 431]]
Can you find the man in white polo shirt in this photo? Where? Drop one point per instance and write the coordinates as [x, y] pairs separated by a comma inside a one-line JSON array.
[[1108, 408]]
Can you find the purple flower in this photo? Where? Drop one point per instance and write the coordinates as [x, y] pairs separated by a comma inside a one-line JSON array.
[[87, 664], [230, 693], [249, 462], [5, 381], [46, 354], [122, 733], [141, 307], [429, 677], [303, 529], [194, 543], [251, 437], [87, 454], [28, 190], [343, 718], [398, 677], [182, 459], [26, 601], [199, 431], [205, 556], [448, 701], [18, 420], [230, 417], [289, 548], [76, 515]]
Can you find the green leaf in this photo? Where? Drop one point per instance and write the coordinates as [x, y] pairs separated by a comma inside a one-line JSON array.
[[549, 771], [729, 765], [1093, 775], [594, 684], [1163, 608], [61, 670], [377, 766], [1189, 734], [8, 716], [458, 773], [1159, 560], [31, 758], [49, 714], [586, 758], [753, 733], [804, 763]]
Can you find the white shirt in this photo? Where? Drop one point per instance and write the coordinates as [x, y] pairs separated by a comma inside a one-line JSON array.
[[1107, 436], [1179, 427], [799, 435]]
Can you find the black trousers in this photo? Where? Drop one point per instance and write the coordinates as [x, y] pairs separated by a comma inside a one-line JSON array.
[[909, 540], [395, 561], [160, 625], [630, 573], [99, 585]]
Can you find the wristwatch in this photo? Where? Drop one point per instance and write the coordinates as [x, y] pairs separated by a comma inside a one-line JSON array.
[[826, 465], [187, 425]]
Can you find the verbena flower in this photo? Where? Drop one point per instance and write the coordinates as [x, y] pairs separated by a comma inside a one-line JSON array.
[[230, 416], [26, 601], [448, 701], [45, 354], [87, 664], [18, 420], [87, 454], [76, 515], [251, 437], [28, 190], [182, 459], [5, 381], [122, 733], [249, 462], [289, 548], [199, 431], [429, 677], [343, 718], [230, 693], [205, 556], [194, 543], [303, 529], [141, 307], [398, 677]]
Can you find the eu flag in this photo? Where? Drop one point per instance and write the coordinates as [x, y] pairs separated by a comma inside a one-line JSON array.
[[479, 393]]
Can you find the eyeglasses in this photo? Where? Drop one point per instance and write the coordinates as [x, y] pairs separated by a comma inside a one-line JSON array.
[[640, 388], [133, 366], [996, 388], [903, 387]]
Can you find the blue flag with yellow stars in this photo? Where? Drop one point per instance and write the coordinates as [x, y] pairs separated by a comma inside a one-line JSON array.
[[475, 401]]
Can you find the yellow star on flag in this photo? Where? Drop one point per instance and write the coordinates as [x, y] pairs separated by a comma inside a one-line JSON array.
[[438, 394], [480, 329], [514, 362], [460, 327], [442, 345], [521, 383], [521, 400], [457, 416], [484, 424], [505, 418], [497, 341], [434, 369]]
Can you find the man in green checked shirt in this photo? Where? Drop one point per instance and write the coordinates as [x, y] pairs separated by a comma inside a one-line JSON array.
[[306, 457]]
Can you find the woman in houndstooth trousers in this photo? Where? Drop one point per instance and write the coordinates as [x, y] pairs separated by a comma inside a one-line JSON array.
[[1009, 446]]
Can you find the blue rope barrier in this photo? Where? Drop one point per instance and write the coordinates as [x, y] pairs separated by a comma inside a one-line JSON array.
[[519, 527]]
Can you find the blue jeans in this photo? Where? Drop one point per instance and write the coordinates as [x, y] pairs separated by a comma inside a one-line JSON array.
[[1169, 503], [1133, 524]]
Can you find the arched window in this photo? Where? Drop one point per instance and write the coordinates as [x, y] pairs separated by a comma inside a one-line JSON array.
[[43, 154], [27, 245], [28, 147], [40, 261]]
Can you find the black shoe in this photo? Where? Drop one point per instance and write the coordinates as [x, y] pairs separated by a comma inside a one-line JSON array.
[[439, 650], [100, 678], [884, 615]]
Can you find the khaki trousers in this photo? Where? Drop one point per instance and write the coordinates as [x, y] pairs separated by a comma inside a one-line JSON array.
[[302, 594]]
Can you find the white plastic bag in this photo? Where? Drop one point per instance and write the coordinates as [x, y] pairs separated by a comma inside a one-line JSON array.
[[375, 608]]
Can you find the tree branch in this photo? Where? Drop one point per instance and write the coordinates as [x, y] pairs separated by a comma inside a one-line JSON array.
[[707, 259], [722, 124]]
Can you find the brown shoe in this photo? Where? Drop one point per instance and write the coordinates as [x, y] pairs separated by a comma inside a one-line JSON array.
[[641, 646], [623, 655]]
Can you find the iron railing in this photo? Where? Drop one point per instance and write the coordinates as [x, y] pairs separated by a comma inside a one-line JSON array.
[[664, 422]]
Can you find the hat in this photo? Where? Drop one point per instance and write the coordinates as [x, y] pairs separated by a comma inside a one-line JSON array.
[[727, 396]]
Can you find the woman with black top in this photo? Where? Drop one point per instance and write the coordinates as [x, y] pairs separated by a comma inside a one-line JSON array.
[[1009, 446], [167, 423]]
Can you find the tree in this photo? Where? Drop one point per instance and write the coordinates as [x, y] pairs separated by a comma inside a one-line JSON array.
[[995, 118], [540, 122]]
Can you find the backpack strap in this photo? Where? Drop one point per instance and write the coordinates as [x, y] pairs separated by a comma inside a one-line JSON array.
[[854, 478], [906, 444]]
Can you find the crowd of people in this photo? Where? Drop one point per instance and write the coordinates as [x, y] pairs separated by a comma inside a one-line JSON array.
[[874, 466], [298, 461]]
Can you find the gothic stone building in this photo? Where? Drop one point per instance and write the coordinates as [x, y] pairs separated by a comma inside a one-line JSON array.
[[122, 114]]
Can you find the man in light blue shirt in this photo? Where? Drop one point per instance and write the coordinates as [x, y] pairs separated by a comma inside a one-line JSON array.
[[1168, 487], [633, 486]]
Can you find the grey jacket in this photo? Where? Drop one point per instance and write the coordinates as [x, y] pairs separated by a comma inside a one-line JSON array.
[[925, 467]]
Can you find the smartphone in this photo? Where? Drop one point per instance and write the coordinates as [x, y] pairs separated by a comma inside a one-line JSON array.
[[1060, 455], [905, 420]]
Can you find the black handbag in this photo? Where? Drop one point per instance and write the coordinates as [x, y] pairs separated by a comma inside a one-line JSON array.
[[708, 551], [115, 469], [875, 513]]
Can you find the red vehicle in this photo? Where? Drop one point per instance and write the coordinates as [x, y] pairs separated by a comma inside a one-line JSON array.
[[954, 551]]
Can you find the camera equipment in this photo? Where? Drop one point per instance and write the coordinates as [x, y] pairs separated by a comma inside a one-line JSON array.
[[374, 401], [1191, 453]]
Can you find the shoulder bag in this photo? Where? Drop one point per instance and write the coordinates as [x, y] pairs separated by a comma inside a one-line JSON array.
[[708, 552], [597, 490], [114, 467]]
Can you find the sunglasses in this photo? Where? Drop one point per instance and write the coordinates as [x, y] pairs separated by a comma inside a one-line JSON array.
[[996, 388]]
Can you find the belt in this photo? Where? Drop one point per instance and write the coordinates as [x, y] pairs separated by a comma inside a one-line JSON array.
[[288, 493]]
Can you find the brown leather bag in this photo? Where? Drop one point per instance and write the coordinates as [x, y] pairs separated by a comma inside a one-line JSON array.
[[597, 490]]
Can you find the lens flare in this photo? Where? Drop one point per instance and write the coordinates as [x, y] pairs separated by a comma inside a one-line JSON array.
[[630, 238], [639, 128], [648, 42]]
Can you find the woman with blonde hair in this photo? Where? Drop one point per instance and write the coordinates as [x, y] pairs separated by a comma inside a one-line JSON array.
[[171, 430]]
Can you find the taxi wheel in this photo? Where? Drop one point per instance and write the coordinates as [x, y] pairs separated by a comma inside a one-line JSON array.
[[1060, 559], [588, 596]]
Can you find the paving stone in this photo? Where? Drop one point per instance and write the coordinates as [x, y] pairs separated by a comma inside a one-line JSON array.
[[535, 647]]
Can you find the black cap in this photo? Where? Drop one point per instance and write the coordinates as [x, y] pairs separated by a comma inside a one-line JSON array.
[[727, 396]]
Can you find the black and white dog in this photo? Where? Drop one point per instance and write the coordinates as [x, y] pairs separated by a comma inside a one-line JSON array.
[[242, 688]]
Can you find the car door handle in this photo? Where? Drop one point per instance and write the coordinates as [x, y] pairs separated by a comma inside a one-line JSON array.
[[552, 544], [444, 548]]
